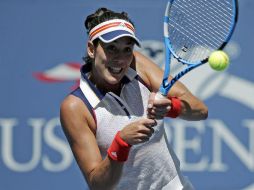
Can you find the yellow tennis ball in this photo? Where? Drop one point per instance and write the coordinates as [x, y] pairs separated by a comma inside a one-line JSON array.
[[218, 60]]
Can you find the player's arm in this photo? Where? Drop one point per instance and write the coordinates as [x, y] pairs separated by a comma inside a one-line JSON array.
[[79, 128], [191, 107]]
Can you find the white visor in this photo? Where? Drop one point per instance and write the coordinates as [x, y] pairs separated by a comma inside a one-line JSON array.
[[111, 30]]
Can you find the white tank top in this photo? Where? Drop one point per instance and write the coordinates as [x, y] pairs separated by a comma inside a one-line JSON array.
[[150, 165]]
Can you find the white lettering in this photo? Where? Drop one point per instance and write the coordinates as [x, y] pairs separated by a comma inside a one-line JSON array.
[[7, 144], [222, 134], [188, 139], [181, 144], [57, 144]]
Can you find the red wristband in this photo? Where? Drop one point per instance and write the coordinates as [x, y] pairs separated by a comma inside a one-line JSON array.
[[119, 149], [176, 107]]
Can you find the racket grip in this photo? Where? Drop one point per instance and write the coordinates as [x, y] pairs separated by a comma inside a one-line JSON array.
[[159, 96], [176, 108]]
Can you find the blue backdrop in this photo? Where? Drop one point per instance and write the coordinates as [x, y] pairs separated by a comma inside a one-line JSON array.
[[41, 45]]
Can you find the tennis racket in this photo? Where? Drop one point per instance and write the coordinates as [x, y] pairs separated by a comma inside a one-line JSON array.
[[193, 29]]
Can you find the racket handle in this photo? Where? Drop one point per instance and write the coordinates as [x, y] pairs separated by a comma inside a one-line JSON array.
[[159, 96]]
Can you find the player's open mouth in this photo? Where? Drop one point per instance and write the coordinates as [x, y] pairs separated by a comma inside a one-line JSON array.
[[115, 70]]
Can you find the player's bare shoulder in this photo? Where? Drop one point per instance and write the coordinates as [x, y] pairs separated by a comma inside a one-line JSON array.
[[74, 113]]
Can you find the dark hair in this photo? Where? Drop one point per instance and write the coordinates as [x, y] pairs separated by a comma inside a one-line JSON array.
[[102, 15], [99, 16]]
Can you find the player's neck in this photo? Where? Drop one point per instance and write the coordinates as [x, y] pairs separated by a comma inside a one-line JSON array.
[[105, 87]]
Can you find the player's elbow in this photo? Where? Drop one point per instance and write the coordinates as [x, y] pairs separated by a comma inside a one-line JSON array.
[[93, 185], [201, 111], [98, 181], [204, 113]]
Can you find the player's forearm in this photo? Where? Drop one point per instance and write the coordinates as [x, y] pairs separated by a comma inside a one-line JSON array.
[[106, 175]]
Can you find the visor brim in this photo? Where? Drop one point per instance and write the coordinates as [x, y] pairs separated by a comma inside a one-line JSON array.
[[114, 35]]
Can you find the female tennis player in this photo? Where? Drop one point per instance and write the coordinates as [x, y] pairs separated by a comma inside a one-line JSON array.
[[113, 122]]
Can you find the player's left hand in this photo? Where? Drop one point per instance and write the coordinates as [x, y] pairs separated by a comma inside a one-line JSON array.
[[158, 108]]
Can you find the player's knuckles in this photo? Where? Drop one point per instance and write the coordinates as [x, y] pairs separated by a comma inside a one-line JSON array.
[[168, 108], [145, 121], [151, 123], [141, 135], [151, 130], [152, 111], [149, 134], [142, 121], [151, 116], [143, 139], [140, 127]]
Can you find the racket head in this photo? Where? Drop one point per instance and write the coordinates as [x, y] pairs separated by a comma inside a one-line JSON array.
[[197, 28]]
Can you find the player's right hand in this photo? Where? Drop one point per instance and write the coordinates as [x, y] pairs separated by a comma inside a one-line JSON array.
[[138, 132]]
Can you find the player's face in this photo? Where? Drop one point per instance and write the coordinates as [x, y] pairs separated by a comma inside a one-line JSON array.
[[112, 60]]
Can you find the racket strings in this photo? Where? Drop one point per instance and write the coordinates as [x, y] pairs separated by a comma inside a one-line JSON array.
[[195, 38], [183, 52], [198, 33], [194, 14], [218, 15], [196, 28], [203, 13]]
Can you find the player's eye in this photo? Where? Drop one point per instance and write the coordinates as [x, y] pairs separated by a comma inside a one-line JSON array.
[[111, 49], [128, 50]]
